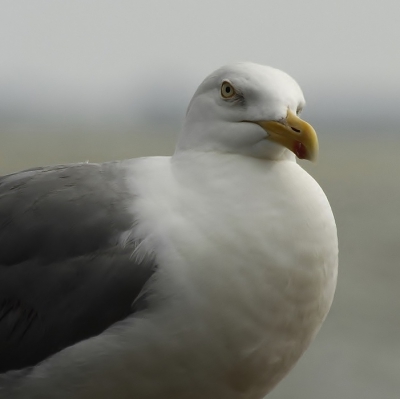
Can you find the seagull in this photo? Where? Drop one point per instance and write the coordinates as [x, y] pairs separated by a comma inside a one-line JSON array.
[[201, 275]]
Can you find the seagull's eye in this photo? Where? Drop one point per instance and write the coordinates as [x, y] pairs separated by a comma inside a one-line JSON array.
[[298, 111], [227, 90]]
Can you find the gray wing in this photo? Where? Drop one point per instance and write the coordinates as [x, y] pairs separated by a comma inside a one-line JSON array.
[[64, 276]]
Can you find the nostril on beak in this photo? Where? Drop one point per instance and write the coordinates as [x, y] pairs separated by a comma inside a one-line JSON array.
[[296, 130]]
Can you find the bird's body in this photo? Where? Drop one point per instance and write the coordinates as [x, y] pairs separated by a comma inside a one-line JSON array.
[[235, 259]]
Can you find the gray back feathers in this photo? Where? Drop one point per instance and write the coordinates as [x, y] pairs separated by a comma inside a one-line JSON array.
[[64, 276]]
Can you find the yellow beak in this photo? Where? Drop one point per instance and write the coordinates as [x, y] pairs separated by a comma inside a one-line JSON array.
[[293, 133]]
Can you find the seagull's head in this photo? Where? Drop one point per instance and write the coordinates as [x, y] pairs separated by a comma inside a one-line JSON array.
[[249, 109]]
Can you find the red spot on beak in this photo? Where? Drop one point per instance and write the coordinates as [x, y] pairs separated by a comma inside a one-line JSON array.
[[300, 150]]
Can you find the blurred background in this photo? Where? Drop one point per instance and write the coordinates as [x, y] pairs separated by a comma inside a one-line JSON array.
[[101, 80]]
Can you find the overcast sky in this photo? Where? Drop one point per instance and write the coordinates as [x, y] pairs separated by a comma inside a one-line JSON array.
[[104, 58]]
